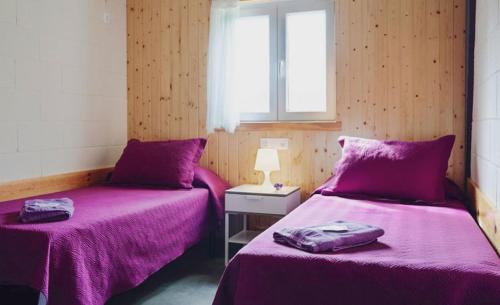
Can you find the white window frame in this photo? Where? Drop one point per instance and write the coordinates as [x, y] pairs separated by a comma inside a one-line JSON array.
[[277, 11]]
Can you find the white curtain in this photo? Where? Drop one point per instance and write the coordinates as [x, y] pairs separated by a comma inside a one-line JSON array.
[[222, 109]]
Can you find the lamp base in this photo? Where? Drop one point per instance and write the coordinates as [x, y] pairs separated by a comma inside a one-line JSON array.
[[267, 180]]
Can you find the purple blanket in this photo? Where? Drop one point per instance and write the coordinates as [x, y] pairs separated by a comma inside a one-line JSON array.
[[429, 255], [114, 241], [334, 236]]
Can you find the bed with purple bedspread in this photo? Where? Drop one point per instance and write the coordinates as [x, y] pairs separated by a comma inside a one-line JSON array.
[[116, 238], [429, 255]]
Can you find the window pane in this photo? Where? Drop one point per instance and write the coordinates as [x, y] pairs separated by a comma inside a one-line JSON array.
[[252, 63], [306, 61]]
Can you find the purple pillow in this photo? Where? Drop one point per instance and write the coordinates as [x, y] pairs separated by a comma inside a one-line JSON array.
[[392, 169], [202, 142], [160, 163]]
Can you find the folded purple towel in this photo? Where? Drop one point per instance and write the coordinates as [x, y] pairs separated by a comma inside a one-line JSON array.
[[46, 210], [333, 236]]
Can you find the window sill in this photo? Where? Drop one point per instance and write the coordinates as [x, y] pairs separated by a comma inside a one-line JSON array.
[[292, 125]]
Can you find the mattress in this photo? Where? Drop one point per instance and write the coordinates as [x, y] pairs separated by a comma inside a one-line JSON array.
[[116, 238], [429, 255]]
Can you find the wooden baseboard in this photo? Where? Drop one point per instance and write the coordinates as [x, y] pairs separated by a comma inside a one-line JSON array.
[[487, 214], [50, 184]]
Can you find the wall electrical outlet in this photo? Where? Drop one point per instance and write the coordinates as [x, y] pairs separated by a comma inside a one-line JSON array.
[[276, 143]]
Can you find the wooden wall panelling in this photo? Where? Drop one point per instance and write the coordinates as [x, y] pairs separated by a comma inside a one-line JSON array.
[[288, 126], [433, 38], [333, 153], [377, 54], [445, 62], [151, 48], [406, 102], [368, 63], [352, 119], [184, 50], [132, 82], [140, 106], [156, 49], [342, 66], [393, 108], [399, 75], [203, 17], [233, 165], [213, 152], [458, 89], [222, 155], [193, 71], [417, 50], [50, 184], [165, 76], [175, 74], [318, 158]]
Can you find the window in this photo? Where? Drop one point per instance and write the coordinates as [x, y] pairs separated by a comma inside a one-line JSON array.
[[254, 62], [284, 61]]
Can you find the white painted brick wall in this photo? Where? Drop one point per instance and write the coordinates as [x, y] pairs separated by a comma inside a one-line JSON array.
[[17, 166], [8, 138], [8, 11], [27, 106], [486, 117], [62, 86], [7, 72]]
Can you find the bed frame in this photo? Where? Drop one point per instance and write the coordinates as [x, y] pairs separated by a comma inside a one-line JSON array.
[[51, 184], [487, 214]]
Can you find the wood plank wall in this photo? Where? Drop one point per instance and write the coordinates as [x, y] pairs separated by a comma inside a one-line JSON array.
[[400, 75]]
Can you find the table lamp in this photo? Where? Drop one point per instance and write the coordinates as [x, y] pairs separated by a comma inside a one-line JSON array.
[[267, 161]]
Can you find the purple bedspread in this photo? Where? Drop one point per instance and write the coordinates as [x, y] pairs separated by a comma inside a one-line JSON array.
[[116, 238], [429, 255]]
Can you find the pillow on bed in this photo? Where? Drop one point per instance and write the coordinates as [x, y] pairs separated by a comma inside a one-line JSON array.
[[160, 163], [201, 142], [392, 169]]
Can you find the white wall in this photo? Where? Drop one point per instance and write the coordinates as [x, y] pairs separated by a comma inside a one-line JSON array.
[[62, 86], [486, 113]]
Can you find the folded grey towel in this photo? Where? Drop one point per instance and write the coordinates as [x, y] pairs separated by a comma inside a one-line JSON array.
[[333, 236], [46, 210]]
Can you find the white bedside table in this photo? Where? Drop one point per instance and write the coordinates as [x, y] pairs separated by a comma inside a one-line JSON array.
[[254, 199]]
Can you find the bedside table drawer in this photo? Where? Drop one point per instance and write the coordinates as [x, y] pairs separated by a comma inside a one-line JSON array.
[[262, 204]]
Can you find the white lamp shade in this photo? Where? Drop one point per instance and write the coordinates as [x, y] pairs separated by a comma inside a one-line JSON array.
[[267, 160]]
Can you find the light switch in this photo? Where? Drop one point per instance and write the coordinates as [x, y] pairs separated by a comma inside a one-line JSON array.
[[276, 143]]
